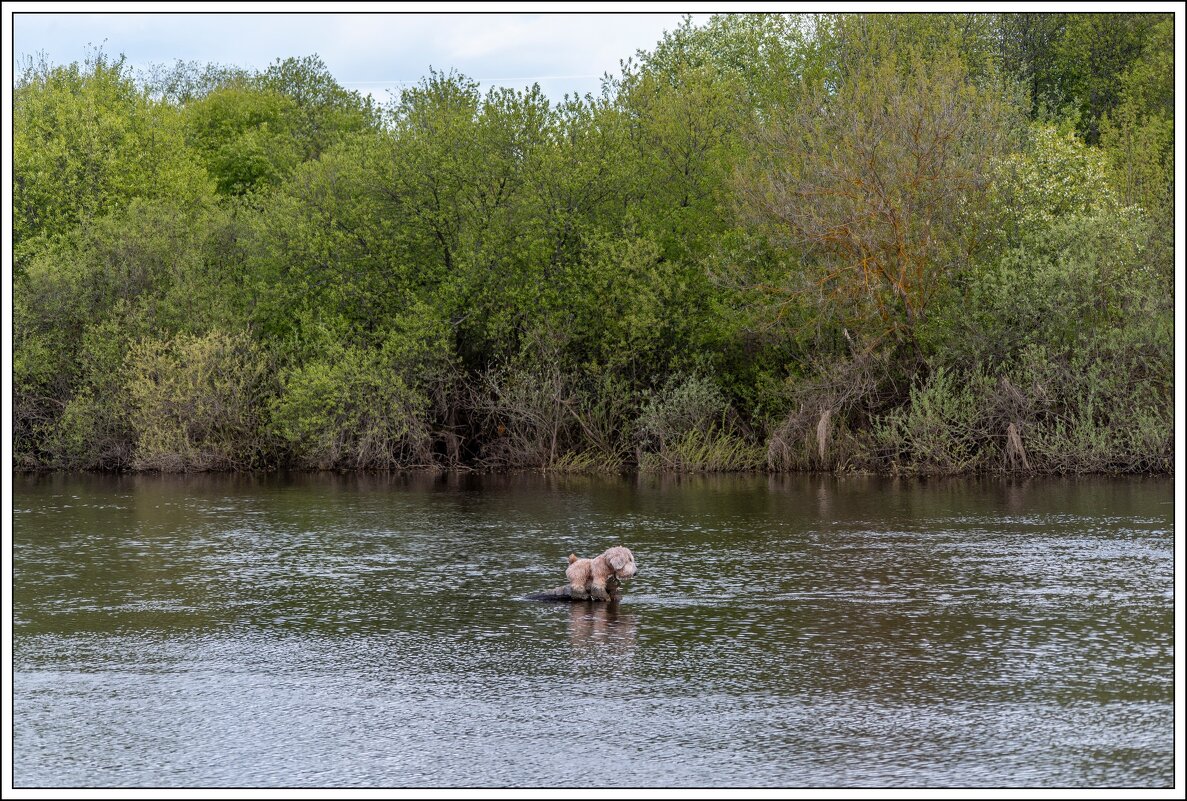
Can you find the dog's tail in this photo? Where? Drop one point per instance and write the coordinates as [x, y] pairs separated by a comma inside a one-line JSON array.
[[572, 558]]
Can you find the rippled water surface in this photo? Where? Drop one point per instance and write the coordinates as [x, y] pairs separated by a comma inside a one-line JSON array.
[[369, 631]]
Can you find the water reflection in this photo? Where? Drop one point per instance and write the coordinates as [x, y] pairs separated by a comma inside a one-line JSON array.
[[602, 627]]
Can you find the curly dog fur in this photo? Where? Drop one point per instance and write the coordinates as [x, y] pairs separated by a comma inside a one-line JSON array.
[[599, 576]]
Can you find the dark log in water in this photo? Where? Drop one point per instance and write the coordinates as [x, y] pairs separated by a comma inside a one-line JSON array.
[[565, 594]]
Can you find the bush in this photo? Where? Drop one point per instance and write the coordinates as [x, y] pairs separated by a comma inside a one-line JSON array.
[[685, 404], [351, 410], [94, 431], [1077, 318], [197, 402], [831, 412], [524, 412], [1055, 176], [603, 407], [1097, 412], [689, 425], [946, 426], [363, 406]]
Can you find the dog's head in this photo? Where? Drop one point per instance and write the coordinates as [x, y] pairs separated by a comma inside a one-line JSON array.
[[622, 560]]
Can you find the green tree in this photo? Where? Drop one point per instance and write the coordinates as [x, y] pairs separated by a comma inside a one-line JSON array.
[[455, 178], [242, 136], [322, 253], [86, 141], [183, 82], [323, 112], [1139, 133], [1027, 44], [1093, 56], [1074, 65]]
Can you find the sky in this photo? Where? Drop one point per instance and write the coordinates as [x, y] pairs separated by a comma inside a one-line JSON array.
[[370, 53]]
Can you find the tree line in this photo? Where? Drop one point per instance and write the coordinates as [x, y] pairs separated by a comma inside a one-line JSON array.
[[930, 243]]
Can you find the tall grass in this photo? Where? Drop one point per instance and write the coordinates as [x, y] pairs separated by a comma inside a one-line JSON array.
[[705, 451]]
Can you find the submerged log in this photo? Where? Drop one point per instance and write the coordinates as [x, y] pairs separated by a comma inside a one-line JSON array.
[[565, 594]]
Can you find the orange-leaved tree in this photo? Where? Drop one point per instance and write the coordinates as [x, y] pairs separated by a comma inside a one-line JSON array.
[[878, 176]]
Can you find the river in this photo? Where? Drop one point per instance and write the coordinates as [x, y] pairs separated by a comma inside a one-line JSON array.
[[791, 631]]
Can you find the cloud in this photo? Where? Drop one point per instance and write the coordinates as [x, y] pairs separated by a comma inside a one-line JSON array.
[[564, 52]]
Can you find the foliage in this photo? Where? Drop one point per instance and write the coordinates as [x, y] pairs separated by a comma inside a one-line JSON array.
[[686, 404], [1055, 175], [86, 142], [887, 178], [911, 243], [1139, 133], [358, 406], [527, 414], [688, 425], [1081, 67], [196, 402], [323, 112], [242, 137], [944, 427]]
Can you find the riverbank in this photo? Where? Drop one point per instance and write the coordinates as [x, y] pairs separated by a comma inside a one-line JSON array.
[[945, 426]]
